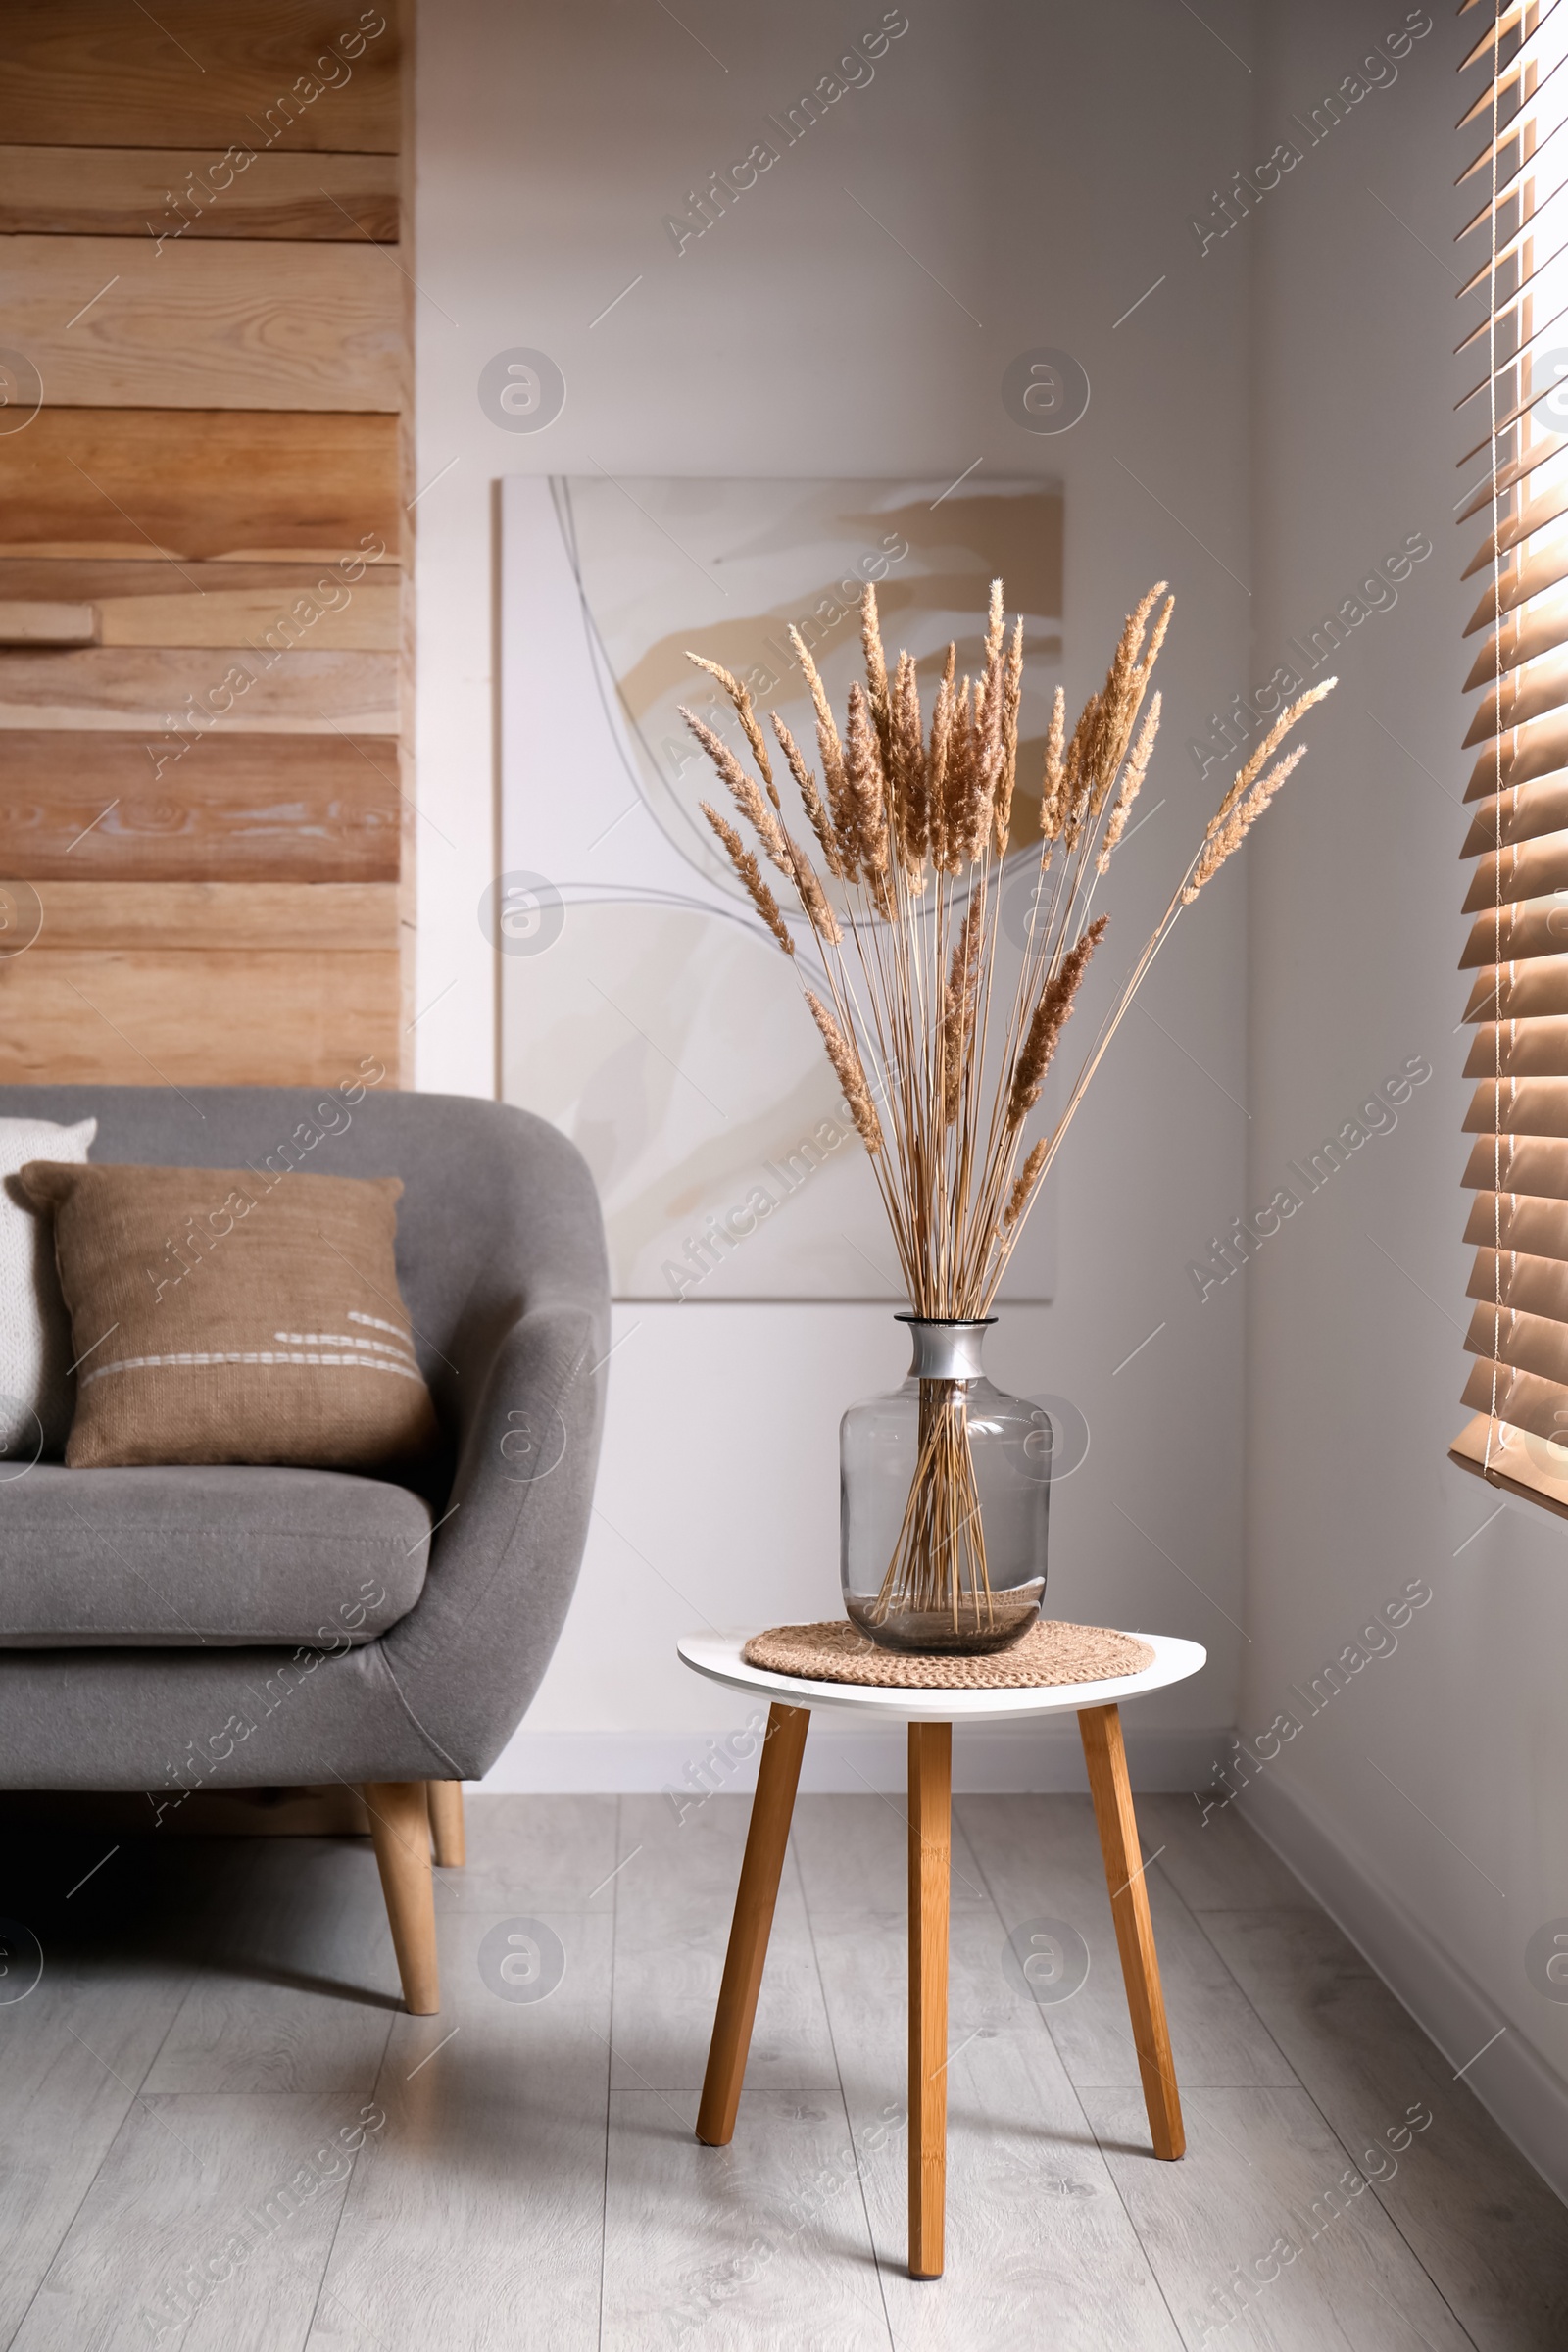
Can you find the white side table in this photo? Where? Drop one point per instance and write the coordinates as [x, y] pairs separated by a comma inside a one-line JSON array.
[[930, 1716]]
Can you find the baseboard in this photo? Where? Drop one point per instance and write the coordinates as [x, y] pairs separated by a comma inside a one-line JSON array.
[[1044, 1758], [1521, 2092]]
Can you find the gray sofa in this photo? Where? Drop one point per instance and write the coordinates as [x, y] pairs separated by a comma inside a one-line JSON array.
[[167, 1630]]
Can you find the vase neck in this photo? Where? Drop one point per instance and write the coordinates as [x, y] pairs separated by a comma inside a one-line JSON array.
[[945, 1349]]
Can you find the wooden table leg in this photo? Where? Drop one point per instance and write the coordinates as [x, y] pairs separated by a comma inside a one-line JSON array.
[[930, 1851], [766, 1841], [1107, 1759]]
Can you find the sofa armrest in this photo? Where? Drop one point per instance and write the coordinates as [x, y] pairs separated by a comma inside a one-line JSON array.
[[468, 1657]]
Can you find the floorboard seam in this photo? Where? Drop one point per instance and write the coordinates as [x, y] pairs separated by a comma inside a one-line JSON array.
[[348, 2192], [609, 2075], [1333, 2132], [1148, 2261], [844, 2096], [75, 2215], [1177, 1896], [1111, 2182], [134, 2098]]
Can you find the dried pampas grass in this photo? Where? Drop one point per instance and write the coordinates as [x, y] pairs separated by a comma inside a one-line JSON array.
[[911, 824]]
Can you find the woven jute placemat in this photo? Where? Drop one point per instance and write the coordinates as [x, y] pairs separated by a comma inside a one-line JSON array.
[[1049, 1652]]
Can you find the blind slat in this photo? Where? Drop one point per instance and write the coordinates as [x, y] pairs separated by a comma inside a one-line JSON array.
[[1523, 232], [1532, 929], [1521, 286], [1506, 351], [1525, 637], [1519, 1106], [1521, 992], [1510, 168], [1528, 871], [1526, 54], [1514, 815], [1531, 1286], [1512, 123], [1525, 1342], [1520, 405], [1530, 518], [1535, 1164], [1544, 568], [1523, 694], [1538, 750], [1516, 1222], [1505, 21], [1517, 1048], [1518, 470], [1525, 1398], [1518, 131], [1514, 1459]]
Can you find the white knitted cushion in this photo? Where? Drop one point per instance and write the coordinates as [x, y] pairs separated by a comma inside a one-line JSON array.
[[36, 1391]]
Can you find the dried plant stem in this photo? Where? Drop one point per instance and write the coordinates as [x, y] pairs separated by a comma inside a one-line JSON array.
[[938, 1565]]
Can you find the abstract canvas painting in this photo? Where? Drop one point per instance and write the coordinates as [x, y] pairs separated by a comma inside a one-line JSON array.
[[644, 1008]]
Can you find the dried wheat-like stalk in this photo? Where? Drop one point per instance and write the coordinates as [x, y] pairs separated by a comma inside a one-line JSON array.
[[1246, 776], [830, 751], [744, 712], [912, 802], [1054, 793], [1245, 814], [1008, 746], [747, 799], [817, 814], [876, 677], [937, 764], [912, 822], [751, 874], [958, 1005], [813, 897], [1050, 1018], [1132, 781], [1022, 1193], [850, 1072], [867, 789]]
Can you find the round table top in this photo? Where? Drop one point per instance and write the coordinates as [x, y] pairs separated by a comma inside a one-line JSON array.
[[719, 1656]]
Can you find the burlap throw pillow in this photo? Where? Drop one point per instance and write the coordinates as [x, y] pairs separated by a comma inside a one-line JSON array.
[[218, 1317]]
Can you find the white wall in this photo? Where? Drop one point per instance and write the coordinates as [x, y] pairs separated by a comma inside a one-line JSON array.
[[797, 337], [1426, 1800]]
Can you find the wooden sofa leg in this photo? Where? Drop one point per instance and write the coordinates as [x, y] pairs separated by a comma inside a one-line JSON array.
[[400, 1824], [446, 1823]]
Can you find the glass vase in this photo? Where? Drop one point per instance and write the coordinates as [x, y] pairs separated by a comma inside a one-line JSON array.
[[944, 1498]]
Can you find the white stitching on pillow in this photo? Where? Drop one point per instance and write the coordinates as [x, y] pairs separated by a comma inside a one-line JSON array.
[[142, 1363], [342, 1339]]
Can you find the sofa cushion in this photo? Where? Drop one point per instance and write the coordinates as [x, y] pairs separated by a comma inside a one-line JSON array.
[[36, 1391], [185, 1557], [220, 1318]]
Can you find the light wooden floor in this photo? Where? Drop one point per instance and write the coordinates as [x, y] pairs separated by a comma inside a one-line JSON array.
[[217, 2024]]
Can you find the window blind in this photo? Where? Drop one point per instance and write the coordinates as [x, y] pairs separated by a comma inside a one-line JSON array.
[[1515, 249]]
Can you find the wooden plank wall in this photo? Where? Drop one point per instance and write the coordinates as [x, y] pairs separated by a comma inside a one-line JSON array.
[[204, 682]]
